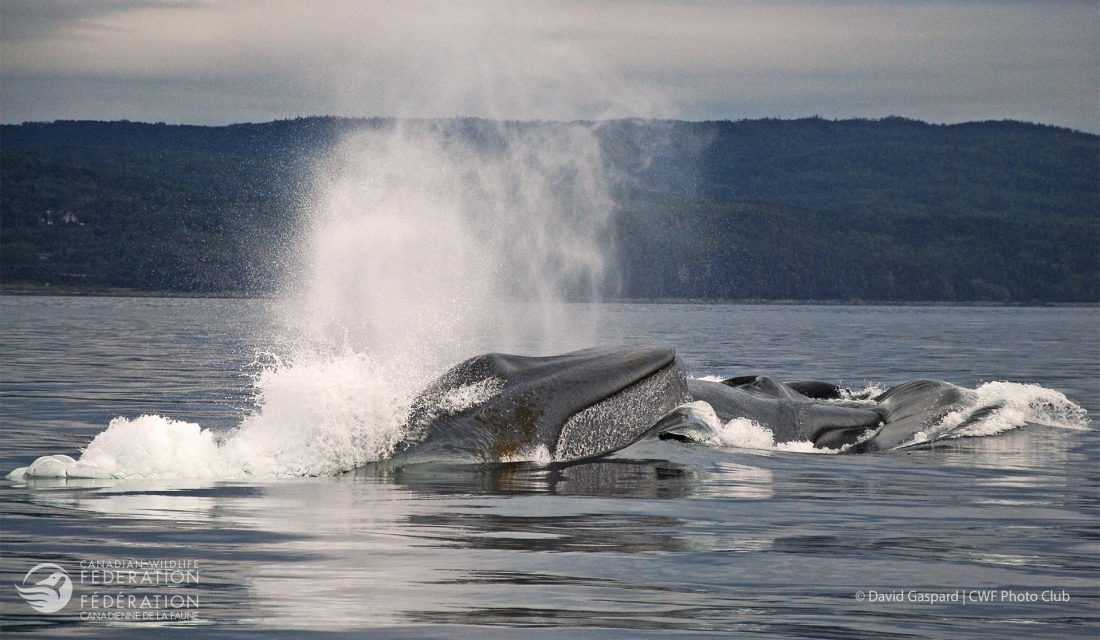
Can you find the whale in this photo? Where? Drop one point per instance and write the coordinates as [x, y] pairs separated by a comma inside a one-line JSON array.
[[583, 404], [911, 408], [819, 412], [790, 415], [499, 407]]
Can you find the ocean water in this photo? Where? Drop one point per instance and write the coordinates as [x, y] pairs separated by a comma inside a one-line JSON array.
[[992, 536]]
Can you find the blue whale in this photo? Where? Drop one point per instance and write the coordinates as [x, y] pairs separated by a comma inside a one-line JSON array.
[[590, 403]]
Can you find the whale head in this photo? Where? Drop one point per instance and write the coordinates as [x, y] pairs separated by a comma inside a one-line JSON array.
[[500, 407]]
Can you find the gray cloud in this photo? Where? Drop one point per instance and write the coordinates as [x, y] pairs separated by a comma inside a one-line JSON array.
[[30, 19], [220, 62]]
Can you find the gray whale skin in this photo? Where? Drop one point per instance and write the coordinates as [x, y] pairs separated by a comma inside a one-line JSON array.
[[590, 403]]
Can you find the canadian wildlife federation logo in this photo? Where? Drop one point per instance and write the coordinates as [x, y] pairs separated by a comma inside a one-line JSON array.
[[46, 587]]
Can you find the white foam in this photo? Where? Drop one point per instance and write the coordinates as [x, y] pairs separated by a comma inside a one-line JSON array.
[[153, 446], [320, 416], [864, 394], [710, 378], [997, 407], [742, 433], [50, 466]]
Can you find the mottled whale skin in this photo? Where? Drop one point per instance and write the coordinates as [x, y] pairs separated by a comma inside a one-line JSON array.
[[577, 405]]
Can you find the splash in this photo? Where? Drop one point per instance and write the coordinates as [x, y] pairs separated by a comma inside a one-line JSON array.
[[423, 229], [427, 242], [742, 433], [316, 417]]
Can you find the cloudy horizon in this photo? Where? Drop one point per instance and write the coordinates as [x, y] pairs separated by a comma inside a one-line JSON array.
[[215, 62]]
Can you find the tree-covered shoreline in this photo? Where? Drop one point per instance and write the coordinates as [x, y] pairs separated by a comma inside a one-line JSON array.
[[888, 210]]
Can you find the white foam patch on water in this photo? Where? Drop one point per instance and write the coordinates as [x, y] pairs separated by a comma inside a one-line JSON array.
[[998, 407], [153, 446], [742, 433], [865, 393], [710, 378], [317, 417]]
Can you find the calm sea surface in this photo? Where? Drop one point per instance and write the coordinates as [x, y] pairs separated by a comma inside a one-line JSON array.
[[988, 537]]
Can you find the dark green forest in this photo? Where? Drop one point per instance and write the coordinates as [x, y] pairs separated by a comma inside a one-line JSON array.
[[813, 209]]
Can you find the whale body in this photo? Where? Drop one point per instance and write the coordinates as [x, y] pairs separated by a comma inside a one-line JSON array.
[[584, 404]]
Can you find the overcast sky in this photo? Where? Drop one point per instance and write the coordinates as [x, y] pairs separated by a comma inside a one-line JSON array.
[[224, 61]]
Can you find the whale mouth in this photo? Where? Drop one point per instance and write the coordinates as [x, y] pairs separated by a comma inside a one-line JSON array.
[[623, 418], [583, 404]]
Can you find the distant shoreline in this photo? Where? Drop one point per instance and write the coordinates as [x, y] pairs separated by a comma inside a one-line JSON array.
[[119, 292], [833, 212], [116, 292]]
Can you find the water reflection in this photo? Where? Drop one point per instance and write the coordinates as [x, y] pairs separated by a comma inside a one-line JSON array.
[[593, 532], [1034, 454], [614, 477], [518, 545]]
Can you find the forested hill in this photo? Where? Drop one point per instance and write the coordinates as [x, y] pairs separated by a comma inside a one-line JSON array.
[[811, 209]]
